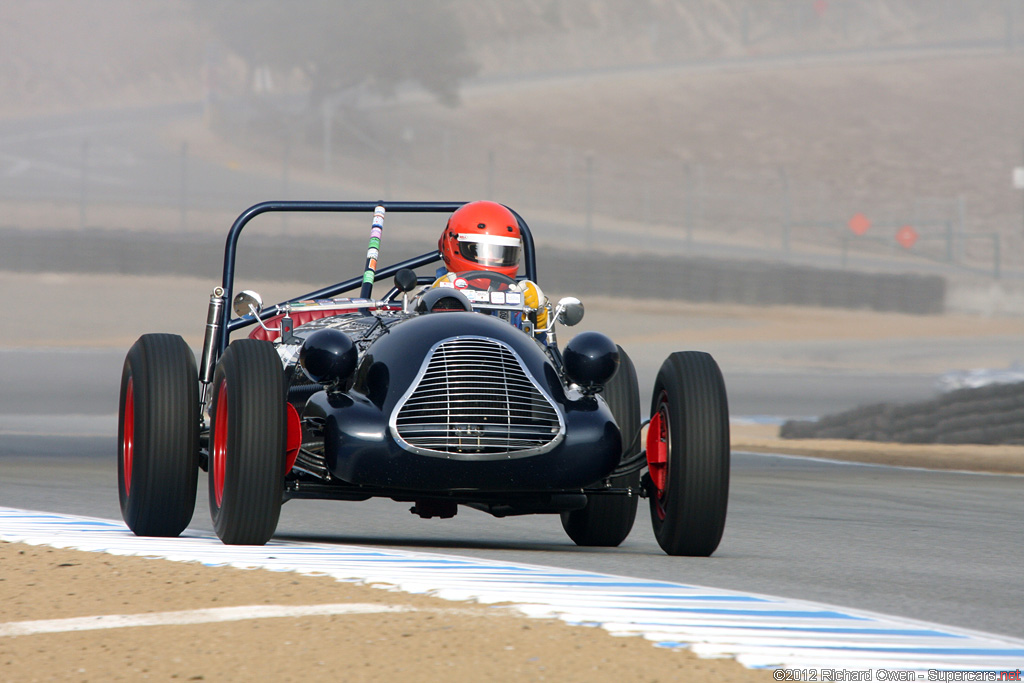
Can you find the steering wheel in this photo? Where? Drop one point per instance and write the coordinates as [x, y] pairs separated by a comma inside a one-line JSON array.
[[494, 280]]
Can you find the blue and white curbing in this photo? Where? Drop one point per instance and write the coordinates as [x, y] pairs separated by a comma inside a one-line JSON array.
[[758, 631]]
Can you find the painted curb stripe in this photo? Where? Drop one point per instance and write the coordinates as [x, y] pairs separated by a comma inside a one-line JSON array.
[[757, 630]]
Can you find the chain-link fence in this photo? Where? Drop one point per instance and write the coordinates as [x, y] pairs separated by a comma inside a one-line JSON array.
[[763, 211]]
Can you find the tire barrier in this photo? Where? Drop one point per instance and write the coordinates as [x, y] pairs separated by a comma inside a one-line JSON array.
[[984, 415], [744, 282], [587, 272]]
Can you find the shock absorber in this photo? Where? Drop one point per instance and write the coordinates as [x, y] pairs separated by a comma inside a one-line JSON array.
[[213, 323]]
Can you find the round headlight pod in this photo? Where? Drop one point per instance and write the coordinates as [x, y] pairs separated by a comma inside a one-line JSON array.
[[328, 356], [590, 359]]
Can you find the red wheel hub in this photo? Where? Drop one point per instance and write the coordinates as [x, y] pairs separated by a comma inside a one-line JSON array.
[[128, 440], [657, 453], [220, 443], [294, 437]]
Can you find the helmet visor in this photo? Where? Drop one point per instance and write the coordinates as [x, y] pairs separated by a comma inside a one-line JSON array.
[[486, 250]]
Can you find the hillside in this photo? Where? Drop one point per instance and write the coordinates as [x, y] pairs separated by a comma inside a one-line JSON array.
[[62, 55], [758, 124], [75, 53]]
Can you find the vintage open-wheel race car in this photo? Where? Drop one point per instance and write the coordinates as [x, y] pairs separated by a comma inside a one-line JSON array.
[[438, 396]]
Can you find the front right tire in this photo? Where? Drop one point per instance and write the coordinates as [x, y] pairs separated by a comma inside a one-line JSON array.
[[247, 443], [608, 518]]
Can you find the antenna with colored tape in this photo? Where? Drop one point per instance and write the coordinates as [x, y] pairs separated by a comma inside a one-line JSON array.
[[372, 252]]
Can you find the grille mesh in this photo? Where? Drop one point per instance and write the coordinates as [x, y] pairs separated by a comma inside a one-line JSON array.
[[474, 397]]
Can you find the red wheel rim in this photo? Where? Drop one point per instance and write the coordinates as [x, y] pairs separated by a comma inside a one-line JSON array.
[[220, 442], [128, 440], [658, 445]]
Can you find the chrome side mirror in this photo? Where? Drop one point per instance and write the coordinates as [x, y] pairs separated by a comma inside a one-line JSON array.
[[569, 311], [247, 302]]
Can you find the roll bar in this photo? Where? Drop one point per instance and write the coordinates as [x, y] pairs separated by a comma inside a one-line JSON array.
[[229, 324]]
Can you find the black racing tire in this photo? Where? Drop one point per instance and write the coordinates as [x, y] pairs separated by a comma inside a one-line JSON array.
[[608, 518], [689, 498], [247, 443], [158, 436]]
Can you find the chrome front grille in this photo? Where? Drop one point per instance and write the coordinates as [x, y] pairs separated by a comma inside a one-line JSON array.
[[473, 399]]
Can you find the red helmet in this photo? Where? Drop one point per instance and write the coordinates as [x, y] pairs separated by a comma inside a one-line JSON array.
[[481, 236]]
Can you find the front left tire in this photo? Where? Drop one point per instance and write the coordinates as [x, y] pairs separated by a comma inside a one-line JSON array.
[[688, 455]]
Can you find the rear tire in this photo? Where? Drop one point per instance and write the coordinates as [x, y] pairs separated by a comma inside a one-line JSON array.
[[608, 518], [247, 443], [690, 426], [158, 436]]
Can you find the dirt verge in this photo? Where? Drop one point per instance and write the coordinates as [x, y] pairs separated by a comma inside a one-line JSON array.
[[970, 458], [434, 640]]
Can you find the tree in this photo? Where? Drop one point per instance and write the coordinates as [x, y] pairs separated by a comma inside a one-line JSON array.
[[341, 45]]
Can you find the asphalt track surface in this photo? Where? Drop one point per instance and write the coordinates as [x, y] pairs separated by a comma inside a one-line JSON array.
[[943, 547], [938, 546]]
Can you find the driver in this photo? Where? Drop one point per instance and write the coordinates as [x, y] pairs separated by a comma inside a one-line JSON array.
[[484, 236]]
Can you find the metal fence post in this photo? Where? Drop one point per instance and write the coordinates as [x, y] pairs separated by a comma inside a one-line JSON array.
[[328, 123], [83, 199], [961, 218], [285, 164], [490, 174], [183, 193], [699, 193], [787, 209], [446, 151], [590, 200], [688, 200], [569, 176], [997, 265], [949, 242]]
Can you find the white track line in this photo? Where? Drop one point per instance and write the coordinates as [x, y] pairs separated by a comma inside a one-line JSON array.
[[188, 617], [839, 462], [758, 630]]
